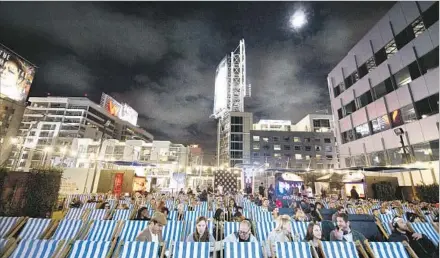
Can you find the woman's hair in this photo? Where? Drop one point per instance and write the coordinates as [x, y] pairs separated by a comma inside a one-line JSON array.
[[139, 213], [309, 234], [217, 214], [282, 222], [205, 236]]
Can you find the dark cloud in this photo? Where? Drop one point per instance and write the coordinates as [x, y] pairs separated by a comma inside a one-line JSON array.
[[162, 60]]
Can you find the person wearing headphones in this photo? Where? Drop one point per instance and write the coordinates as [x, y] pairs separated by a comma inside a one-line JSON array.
[[420, 243], [244, 233]]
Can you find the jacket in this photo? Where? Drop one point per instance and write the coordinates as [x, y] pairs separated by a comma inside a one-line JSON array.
[[422, 247], [233, 238], [145, 235], [356, 236]]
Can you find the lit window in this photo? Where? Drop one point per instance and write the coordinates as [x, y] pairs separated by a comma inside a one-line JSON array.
[[296, 139], [298, 156], [256, 138], [328, 149], [277, 154], [265, 139], [277, 147], [256, 146]]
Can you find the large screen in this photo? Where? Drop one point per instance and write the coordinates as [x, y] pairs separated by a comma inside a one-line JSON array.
[[221, 87], [16, 76], [120, 110], [128, 114]]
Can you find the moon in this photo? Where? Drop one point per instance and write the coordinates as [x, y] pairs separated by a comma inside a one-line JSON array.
[[298, 19]]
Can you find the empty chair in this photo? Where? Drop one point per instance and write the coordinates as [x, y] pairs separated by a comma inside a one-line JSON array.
[[339, 249], [387, 249], [90, 205], [172, 232], [122, 214], [97, 214], [90, 249], [101, 230], [242, 249], [68, 229], [300, 228], [209, 214], [139, 249], [263, 230], [231, 227], [427, 229], [8, 223], [193, 250], [263, 216], [293, 249], [34, 228], [131, 229], [75, 213], [36, 248], [172, 215], [191, 215]]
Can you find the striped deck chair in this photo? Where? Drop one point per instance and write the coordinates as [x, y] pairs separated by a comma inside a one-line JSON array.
[[231, 227], [300, 228], [75, 213], [6, 224], [91, 205], [385, 219], [98, 214], [37, 248], [101, 230], [68, 229], [89, 249], [388, 250], [172, 232], [5, 244], [239, 250], [191, 215], [427, 229], [122, 214], [191, 249], [172, 215], [210, 214], [293, 249], [263, 216], [34, 228], [339, 249], [263, 229], [351, 210], [139, 249], [131, 229]]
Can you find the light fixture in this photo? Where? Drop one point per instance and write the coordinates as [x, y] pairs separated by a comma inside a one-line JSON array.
[[298, 19], [14, 140], [398, 131]]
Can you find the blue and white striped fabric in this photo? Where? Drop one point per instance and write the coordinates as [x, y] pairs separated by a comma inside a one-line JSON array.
[[429, 218], [231, 227], [172, 232], [427, 229], [97, 214], [35, 248], [6, 224], [132, 228], [300, 228], [247, 214], [242, 249], [122, 214], [202, 207], [389, 249], [263, 216], [293, 249], [74, 213], [191, 215], [140, 249], [34, 228], [67, 229], [172, 215], [263, 229], [386, 219], [351, 210], [339, 249], [3, 243], [101, 230], [191, 249], [90, 249], [209, 214], [90, 205]]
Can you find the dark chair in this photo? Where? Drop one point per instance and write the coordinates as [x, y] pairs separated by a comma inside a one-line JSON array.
[[366, 225], [327, 213]]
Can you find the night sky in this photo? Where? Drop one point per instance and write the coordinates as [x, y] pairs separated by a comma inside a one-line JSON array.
[[160, 57]]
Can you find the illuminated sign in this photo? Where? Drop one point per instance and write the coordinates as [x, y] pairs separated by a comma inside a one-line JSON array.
[[221, 88], [120, 110]]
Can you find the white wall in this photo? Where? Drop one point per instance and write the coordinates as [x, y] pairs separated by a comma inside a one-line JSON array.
[[74, 180]]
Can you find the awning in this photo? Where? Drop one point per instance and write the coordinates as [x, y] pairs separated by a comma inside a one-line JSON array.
[[381, 169], [132, 163]]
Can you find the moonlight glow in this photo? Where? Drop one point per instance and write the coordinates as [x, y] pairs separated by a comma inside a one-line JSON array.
[[298, 19]]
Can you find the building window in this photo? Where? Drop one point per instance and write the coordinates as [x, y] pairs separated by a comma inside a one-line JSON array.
[[256, 154], [319, 166], [266, 147], [236, 145], [256, 146], [378, 158], [317, 140], [404, 37], [286, 138], [418, 27], [276, 139], [277, 155], [237, 120], [277, 147], [296, 139], [363, 70], [287, 155], [318, 148], [427, 151], [380, 56], [237, 137], [327, 140], [266, 154], [256, 138], [265, 139], [351, 79], [340, 115], [350, 108], [307, 157], [362, 131], [380, 124], [329, 157], [390, 48], [308, 148], [408, 113], [414, 70], [336, 91], [347, 136], [298, 156], [328, 148], [427, 106], [396, 156], [306, 140], [365, 99], [236, 128], [318, 157], [297, 148], [383, 88], [430, 16], [287, 147], [370, 64], [396, 118], [429, 61], [402, 77]]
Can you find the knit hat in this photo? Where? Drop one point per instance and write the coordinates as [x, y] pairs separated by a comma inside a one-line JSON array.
[[159, 217]]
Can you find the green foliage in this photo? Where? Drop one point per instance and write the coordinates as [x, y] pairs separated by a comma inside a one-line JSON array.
[[384, 191], [42, 191], [3, 176], [428, 193]]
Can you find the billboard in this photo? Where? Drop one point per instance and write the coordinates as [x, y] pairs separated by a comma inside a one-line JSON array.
[[221, 88], [16, 76], [120, 110]]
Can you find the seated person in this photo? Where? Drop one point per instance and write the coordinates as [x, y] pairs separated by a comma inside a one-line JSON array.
[[201, 232], [244, 234], [281, 233], [300, 216], [153, 233], [142, 214], [340, 210], [314, 235], [420, 243], [343, 232]]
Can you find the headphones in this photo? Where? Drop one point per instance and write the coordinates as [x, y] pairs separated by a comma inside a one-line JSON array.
[[394, 221]]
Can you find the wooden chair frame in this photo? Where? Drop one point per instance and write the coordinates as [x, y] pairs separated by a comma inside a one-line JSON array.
[[18, 225], [14, 246], [359, 248], [68, 248], [408, 248], [11, 244]]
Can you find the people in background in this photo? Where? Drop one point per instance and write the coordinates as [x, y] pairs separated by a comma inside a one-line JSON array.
[[153, 233], [300, 215], [93, 199], [340, 210], [165, 211], [75, 203], [181, 191], [343, 231], [153, 203], [219, 222], [420, 243], [244, 234], [142, 214], [261, 189], [201, 232], [265, 205], [189, 191], [180, 211], [279, 203], [354, 194], [281, 233], [303, 191], [270, 192], [275, 213], [314, 234], [104, 206]]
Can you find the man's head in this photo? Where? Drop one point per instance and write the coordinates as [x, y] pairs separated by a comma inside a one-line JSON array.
[[399, 224], [342, 221], [341, 209], [265, 202], [157, 222], [244, 231]]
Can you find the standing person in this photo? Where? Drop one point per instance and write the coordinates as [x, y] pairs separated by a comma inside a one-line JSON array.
[[201, 232], [354, 194], [244, 234], [303, 191], [261, 189], [281, 233], [343, 232], [270, 192]]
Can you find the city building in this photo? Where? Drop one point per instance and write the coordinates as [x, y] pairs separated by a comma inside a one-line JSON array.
[[315, 123], [195, 156], [275, 144], [387, 89], [53, 122]]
